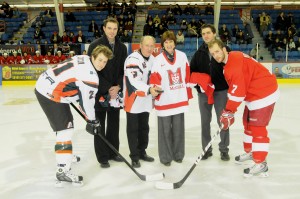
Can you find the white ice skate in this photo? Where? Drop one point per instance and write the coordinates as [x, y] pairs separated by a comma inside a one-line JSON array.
[[243, 159], [64, 176], [258, 169]]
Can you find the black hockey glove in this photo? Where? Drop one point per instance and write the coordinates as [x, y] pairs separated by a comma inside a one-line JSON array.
[[93, 127]]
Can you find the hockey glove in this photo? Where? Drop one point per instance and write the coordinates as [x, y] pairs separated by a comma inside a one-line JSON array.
[[226, 119], [93, 127]]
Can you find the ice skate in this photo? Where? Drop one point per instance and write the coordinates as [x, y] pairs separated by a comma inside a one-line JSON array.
[[241, 159], [64, 176], [75, 159], [258, 169]]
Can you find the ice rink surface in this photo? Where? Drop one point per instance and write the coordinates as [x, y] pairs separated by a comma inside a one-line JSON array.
[[27, 162]]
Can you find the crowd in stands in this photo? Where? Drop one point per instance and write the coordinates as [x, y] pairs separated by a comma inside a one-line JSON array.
[[280, 33]]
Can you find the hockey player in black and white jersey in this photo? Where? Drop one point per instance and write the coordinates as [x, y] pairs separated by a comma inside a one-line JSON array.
[[74, 80], [138, 99]]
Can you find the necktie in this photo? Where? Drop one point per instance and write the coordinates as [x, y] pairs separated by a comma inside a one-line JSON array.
[[112, 46]]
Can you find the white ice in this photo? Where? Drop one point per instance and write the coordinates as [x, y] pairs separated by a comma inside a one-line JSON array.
[[27, 161]]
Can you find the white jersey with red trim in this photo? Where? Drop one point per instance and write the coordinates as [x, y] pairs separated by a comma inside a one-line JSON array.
[[75, 80], [136, 83], [249, 81], [172, 78]]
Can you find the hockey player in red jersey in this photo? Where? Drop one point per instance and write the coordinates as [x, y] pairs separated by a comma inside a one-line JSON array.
[[248, 81], [75, 80], [15, 58]]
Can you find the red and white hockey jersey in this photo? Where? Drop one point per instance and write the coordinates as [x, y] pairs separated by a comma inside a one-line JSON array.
[[249, 81], [172, 78], [136, 83], [73, 81]]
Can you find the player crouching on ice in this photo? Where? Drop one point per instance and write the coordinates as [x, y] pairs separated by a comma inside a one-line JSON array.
[[74, 80], [251, 82]]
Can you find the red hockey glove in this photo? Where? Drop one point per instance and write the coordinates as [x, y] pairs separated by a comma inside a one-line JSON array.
[[226, 119]]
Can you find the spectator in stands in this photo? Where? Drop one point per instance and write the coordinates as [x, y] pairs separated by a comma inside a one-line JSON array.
[[40, 22], [187, 10], [269, 39], [132, 8], [248, 32], [48, 58], [264, 22], [112, 10], [170, 10], [235, 30], [154, 4], [226, 38], [124, 4], [281, 22], [290, 20], [48, 12], [71, 54], [93, 26], [171, 19], [209, 10], [240, 38], [65, 38], [161, 30], [293, 30], [149, 29], [4, 59], [180, 37], [191, 31], [14, 59], [277, 45], [130, 19], [16, 12], [38, 58], [183, 25], [164, 21], [156, 18], [72, 37], [9, 13], [292, 45], [38, 34], [177, 10], [120, 32], [97, 34], [121, 18], [279, 35], [285, 44], [196, 9], [70, 16], [26, 58], [125, 38], [55, 48], [59, 57], [80, 38], [55, 38], [102, 5], [149, 18], [223, 29]]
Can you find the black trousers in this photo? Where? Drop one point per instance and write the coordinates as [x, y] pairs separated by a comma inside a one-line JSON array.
[[137, 134], [103, 152]]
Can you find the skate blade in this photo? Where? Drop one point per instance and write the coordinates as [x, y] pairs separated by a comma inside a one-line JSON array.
[[261, 175], [61, 184]]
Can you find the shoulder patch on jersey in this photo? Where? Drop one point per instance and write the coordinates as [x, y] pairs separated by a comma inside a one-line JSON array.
[[80, 60]]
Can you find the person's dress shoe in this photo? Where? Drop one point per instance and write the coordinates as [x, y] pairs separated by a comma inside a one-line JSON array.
[[178, 160], [147, 158], [117, 158], [225, 156], [167, 164], [207, 155], [104, 164], [136, 164]]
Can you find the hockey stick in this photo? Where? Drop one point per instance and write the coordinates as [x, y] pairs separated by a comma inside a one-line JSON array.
[[176, 185], [153, 177]]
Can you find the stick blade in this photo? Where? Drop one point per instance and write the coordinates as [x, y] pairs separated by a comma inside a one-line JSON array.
[[155, 177], [164, 185]]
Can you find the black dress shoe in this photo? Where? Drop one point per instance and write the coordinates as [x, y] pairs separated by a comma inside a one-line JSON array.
[[136, 164], [167, 164], [146, 158], [104, 165], [178, 160], [225, 156], [117, 158], [207, 155]]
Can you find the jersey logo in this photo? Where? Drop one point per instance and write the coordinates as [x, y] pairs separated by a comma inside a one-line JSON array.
[[80, 60], [144, 64], [175, 79]]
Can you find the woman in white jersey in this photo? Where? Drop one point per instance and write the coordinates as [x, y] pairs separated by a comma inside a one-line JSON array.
[[171, 72], [74, 80]]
